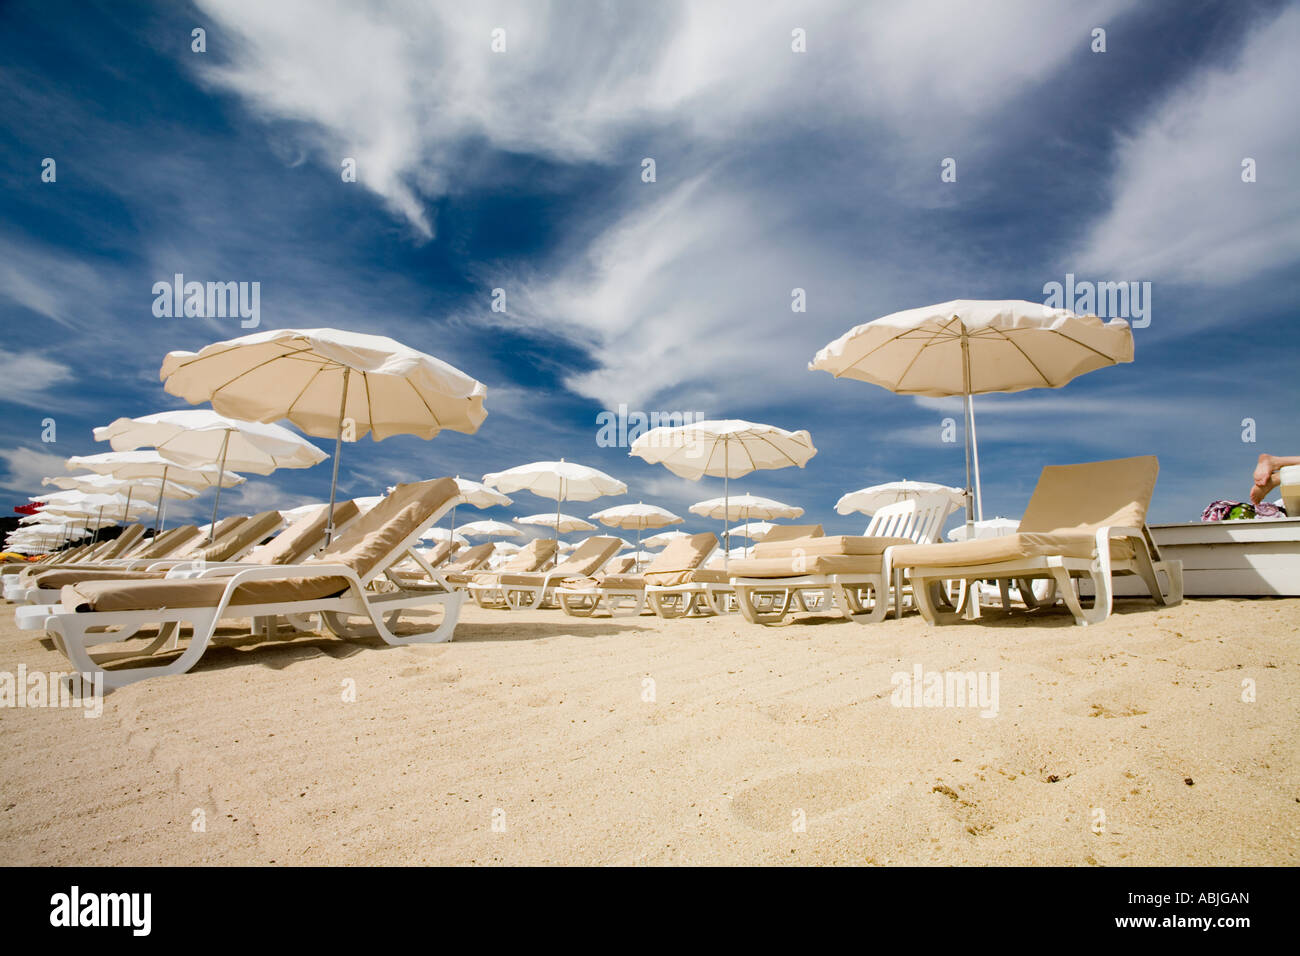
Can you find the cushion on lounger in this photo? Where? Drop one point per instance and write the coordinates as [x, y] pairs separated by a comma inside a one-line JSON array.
[[1092, 495], [833, 544], [160, 593], [1007, 547], [377, 533], [471, 559], [784, 532], [794, 566], [228, 547], [296, 542]]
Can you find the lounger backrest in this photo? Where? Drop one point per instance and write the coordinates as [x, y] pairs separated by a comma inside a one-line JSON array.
[[473, 558], [182, 537], [920, 519], [684, 554], [441, 552], [623, 564], [533, 556], [123, 542], [297, 542], [1093, 495], [784, 532], [382, 536], [232, 545], [589, 557]]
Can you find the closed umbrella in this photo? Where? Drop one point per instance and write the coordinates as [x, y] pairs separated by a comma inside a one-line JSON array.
[[323, 379]]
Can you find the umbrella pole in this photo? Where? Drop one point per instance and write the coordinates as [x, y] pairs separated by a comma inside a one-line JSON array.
[[558, 502], [162, 488], [216, 502], [966, 423], [726, 506], [975, 460], [98, 518], [126, 515], [338, 453]]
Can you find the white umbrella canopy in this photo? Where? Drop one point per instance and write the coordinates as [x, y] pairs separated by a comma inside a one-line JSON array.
[[442, 536], [320, 379], [663, 539], [636, 517], [972, 347], [475, 529], [107, 484], [744, 507], [870, 500], [561, 480], [148, 463], [201, 436], [756, 530], [723, 448], [560, 523]]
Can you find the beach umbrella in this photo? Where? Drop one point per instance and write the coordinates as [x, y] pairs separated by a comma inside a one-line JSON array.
[[80, 504], [637, 518], [754, 530], [328, 381], [477, 495], [107, 484], [148, 463], [488, 529], [663, 539], [442, 536], [562, 524], [972, 347], [743, 508], [561, 480], [868, 501], [726, 449], [201, 436]]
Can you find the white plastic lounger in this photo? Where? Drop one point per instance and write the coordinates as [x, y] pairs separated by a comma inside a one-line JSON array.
[[516, 590], [620, 591], [333, 585], [1083, 521]]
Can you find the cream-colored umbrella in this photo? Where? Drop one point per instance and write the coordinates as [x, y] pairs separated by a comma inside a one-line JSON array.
[[476, 495], [561, 523], [201, 436], [561, 480], [490, 529], [148, 463], [329, 382], [443, 536], [636, 517], [726, 448], [868, 501], [663, 539], [743, 508], [972, 347]]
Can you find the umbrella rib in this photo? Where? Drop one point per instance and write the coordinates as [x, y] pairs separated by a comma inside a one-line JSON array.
[[1032, 364], [252, 368], [437, 423], [905, 333]]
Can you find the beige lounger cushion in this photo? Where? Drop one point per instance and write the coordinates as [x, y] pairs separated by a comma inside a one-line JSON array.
[[1069, 505], [792, 566], [159, 593], [1007, 547], [529, 559], [591, 554], [371, 538], [673, 565], [295, 542], [784, 532], [249, 533], [839, 544]]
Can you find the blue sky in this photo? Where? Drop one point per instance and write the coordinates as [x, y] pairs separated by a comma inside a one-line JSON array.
[[521, 170]]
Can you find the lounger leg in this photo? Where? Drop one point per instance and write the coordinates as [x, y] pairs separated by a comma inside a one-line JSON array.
[[931, 598], [72, 641], [578, 605]]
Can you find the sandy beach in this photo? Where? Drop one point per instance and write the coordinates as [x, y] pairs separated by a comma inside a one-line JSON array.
[[537, 738]]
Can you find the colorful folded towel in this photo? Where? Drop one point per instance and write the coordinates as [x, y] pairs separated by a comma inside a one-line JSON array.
[[1240, 510]]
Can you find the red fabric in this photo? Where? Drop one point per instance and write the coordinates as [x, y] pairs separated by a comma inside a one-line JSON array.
[[29, 509]]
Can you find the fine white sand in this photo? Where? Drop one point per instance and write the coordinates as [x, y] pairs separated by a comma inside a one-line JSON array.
[[1135, 728]]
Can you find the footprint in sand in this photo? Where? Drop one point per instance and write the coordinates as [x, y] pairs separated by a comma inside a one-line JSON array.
[[770, 806]]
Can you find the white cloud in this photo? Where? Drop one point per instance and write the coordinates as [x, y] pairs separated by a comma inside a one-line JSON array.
[[1180, 209], [26, 467]]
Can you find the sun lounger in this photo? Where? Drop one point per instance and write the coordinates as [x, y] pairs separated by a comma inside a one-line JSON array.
[[537, 555], [1082, 521], [333, 584], [522, 589], [229, 547], [682, 558]]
